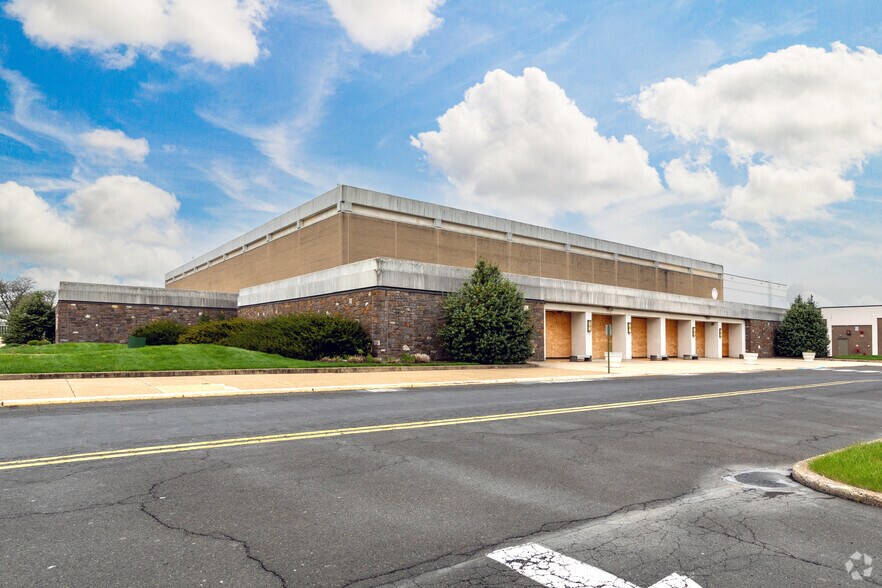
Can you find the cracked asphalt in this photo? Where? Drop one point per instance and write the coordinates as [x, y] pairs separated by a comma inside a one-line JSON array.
[[636, 491]]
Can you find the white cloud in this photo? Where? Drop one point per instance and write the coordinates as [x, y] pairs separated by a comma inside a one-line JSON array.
[[692, 182], [787, 193], [386, 26], [726, 244], [518, 144], [116, 143], [799, 118], [118, 228], [241, 189], [218, 31]]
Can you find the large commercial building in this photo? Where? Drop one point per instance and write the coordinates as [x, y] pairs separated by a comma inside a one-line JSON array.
[[387, 261]]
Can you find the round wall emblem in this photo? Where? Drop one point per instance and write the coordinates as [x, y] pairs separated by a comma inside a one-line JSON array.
[[714, 293]]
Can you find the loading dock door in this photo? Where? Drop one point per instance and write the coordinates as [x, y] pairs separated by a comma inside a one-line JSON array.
[[699, 338], [672, 338], [598, 334], [638, 337], [558, 335]]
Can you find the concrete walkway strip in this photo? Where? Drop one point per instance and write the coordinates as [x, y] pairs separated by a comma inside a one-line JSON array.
[[555, 570], [33, 392]]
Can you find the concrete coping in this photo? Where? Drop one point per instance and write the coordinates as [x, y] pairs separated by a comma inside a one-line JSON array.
[[115, 294]]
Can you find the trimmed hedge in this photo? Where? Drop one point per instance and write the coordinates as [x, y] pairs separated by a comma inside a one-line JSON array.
[[300, 336], [161, 332], [213, 332]]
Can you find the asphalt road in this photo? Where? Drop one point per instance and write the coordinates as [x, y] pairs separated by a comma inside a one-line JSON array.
[[636, 489]]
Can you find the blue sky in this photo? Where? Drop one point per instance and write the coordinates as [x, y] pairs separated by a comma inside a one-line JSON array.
[[134, 136]]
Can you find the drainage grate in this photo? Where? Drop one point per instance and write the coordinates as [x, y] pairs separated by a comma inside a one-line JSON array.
[[765, 480]]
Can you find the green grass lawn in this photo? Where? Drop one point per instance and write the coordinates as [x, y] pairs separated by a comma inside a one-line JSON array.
[[110, 357], [858, 465], [867, 357]]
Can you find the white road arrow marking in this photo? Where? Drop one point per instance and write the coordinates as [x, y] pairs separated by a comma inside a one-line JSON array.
[[555, 570]]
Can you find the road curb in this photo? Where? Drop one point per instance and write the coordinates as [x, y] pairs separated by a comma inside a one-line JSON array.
[[270, 391], [805, 476]]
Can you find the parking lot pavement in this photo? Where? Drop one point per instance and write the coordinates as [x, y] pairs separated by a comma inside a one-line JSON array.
[[376, 487], [721, 534]]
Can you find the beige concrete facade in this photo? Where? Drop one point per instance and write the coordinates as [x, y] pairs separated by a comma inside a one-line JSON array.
[[347, 233]]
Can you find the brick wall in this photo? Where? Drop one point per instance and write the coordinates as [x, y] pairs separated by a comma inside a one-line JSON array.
[[397, 321], [102, 322], [759, 337], [858, 341]]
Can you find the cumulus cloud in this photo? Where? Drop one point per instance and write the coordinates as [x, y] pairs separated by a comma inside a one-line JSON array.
[[218, 31], [727, 244], [692, 181], [799, 118], [116, 144], [519, 143], [790, 194], [119, 228], [386, 26], [33, 124]]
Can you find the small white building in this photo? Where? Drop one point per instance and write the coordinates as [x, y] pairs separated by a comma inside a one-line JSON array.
[[854, 330]]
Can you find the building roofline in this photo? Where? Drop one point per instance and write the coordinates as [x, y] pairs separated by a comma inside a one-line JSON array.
[[344, 197]]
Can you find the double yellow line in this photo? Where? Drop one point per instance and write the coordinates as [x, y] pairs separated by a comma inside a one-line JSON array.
[[239, 441]]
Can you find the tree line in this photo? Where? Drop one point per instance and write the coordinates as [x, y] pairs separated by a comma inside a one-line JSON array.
[[28, 311]]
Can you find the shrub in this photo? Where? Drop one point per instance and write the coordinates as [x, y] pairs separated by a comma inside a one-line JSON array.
[[302, 336], [212, 331], [406, 358], [39, 342], [803, 329], [161, 332], [33, 318], [421, 358], [487, 320]]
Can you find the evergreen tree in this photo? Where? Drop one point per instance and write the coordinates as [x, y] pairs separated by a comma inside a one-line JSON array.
[[803, 329], [487, 320], [33, 318]]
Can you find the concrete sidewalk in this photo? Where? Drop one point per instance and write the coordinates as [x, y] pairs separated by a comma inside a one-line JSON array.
[[64, 390]]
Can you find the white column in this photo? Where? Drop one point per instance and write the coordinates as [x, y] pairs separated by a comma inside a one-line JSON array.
[[713, 340], [581, 344], [736, 339], [621, 337], [589, 336], [655, 337], [685, 337]]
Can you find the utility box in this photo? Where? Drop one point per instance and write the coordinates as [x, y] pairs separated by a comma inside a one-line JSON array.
[[136, 342]]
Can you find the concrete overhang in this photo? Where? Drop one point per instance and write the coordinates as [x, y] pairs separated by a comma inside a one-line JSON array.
[[411, 275], [115, 294]]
